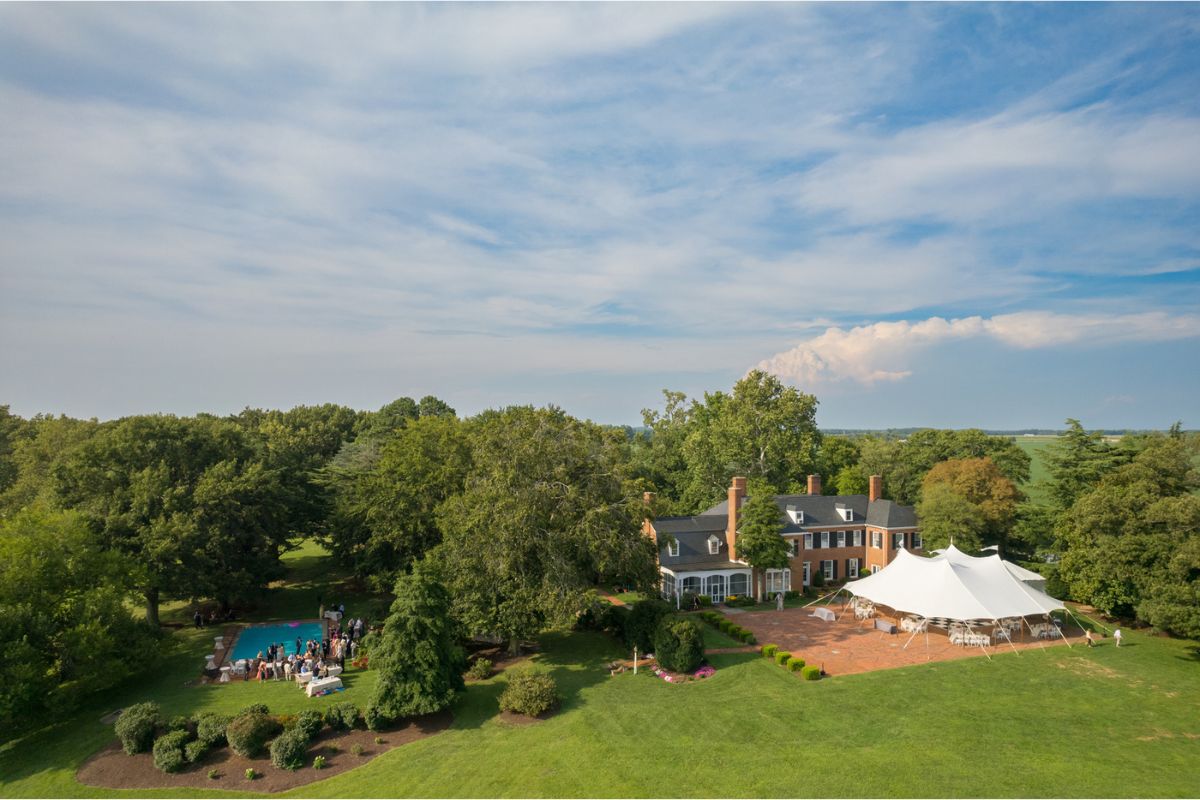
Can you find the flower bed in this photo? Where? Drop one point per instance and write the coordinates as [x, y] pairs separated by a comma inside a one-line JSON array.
[[683, 677]]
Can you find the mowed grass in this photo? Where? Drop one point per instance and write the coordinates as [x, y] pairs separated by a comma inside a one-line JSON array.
[[1053, 723], [1035, 447]]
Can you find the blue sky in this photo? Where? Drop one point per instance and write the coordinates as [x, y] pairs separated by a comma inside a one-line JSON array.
[[925, 215]]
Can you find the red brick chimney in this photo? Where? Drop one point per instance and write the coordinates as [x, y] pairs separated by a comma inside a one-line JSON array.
[[647, 525], [737, 491], [814, 484], [876, 487]]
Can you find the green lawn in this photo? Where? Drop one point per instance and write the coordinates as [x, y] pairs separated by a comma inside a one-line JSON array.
[[1035, 446], [1061, 723]]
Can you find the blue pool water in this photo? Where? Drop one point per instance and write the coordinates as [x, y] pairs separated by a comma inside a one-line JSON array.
[[255, 639]]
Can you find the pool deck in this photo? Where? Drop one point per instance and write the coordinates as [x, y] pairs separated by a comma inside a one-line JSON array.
[[234, 632]]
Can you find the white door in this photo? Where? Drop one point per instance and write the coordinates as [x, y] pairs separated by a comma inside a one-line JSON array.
[[715, 588]]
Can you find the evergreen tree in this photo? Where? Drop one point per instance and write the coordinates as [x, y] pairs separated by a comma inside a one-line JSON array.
[[419, 662]]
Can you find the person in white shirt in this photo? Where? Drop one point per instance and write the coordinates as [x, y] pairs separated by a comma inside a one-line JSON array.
[[1117, 637]]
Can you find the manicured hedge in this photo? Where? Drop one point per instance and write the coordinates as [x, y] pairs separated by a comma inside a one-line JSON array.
[[642, 622], [248, 732], [795, 664], [135, 727], [769, 650], [289, 749], [210, 728], [781, 658], [811, 673], [530, 692], [195, 750], [375, 719], [342, 716], [309, 722], [168, 751], [679, 644]]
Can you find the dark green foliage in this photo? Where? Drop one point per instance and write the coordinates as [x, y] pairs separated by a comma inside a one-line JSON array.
[[758, 541], [248, 733], [782, 657], [210, 728], [818, 579], [135, 727], [811, 673], [795, 664], [178, 723], [289, 749], [342, 716], [309, 722], [195, 750], [481, 669], [704, 600], [417, 657], [168, 751], [319, 762], [642, 623], [255, 708], [769, 650], [65, 630], [529, 691], [679, 644], [375, 719]]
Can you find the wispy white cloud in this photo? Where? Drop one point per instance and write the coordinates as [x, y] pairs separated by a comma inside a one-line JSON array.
[[883, 352]]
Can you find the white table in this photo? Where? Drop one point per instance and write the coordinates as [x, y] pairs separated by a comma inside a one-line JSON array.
[[322, 685], [225, 673], [824, 613], [219, 642], [334, 671], [212, 662], [303, 677]]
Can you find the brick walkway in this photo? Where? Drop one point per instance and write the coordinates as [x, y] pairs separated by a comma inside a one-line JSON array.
[[848, 645]]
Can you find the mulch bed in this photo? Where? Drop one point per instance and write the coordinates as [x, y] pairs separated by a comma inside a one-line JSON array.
[[112, 769], [513, 718]]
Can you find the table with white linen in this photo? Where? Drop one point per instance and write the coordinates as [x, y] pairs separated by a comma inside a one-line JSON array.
[[824, 613], [320, 685]]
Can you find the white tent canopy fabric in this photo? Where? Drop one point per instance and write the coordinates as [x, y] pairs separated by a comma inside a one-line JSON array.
[[953, 585]]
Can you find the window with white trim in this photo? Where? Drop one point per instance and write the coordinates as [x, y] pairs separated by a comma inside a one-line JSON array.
[[808, 541], [824, 538], [673, 547], [807, 571], [841, 539], [714, 545], [739, 584], [852, 568], [916, 540], [858, 538], [791, 545], [668, 585], [874, 569], [877, 540], [779, 580], [898, 541], [827, 567]]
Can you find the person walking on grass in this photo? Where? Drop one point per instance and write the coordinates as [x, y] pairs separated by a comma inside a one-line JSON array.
[[1088, 635], [1117, 637]]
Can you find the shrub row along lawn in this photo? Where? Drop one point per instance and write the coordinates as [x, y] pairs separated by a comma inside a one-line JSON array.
[[1053, 723]]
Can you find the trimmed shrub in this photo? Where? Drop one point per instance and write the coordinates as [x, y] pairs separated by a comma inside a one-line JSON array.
[[251, 774], [704, 600], [289, 749], [213, 774], [769, 650], [247, 733], [135, 727], [795, 664], [688, 600], [749, 638], [529, 692], [341, 716], [255, 708], [679, 644], [194, 751], [782, 657], [644, 616], [178, 723], [376, 720], [168, 751], [480, 669], [612, 619], [210, 729], [792, 594], [309, 722], [357, 749], [811, 673]]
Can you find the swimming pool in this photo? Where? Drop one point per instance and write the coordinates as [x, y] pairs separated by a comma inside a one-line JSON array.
[[255, 639]]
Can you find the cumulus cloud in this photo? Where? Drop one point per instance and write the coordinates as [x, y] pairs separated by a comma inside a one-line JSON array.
[[881, 352]]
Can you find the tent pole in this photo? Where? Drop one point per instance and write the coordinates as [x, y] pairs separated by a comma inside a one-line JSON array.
[[819, 599], [914, 635], [1041, 644], [1008, 639]]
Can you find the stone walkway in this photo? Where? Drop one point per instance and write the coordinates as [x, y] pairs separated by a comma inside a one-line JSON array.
[[848, 645]]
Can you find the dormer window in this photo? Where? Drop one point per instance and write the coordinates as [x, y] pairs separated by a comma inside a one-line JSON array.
[[847, 514], [673, 548], [795, 515], [714, 545]]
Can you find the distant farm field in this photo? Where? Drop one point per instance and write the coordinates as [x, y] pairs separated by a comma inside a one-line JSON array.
[[1036, 446]]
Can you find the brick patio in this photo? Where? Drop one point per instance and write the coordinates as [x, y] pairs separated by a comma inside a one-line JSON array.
[[848, 645]]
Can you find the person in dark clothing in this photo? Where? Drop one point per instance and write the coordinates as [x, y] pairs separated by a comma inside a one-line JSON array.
[[198, 619], [299, 649]]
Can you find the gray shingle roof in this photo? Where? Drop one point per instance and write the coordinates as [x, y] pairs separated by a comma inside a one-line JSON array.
[[822, 510], [886, 514], [693, 543]]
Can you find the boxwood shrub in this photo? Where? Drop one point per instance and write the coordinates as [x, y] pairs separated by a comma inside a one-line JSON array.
[[375, 719], [168, 751], [135, 727], [341, 716], [769, 650], [795, 664], [309, 722], [210, 728], [811, 673], [248, 732], [781, 658], [530, 692], [642, 622], [480, 669], [195, 750], [290, 749]]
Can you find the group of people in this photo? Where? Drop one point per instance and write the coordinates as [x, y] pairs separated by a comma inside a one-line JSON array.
[[200, 621], [311, 656]]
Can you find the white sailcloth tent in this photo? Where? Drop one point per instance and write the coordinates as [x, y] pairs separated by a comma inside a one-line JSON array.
[[955, 586]]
